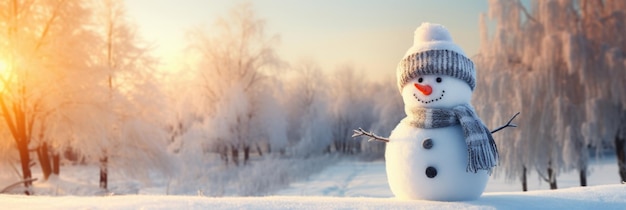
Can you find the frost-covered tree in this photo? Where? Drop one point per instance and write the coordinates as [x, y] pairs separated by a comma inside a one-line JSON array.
[[306, 103], [561, 64], [133, 139], [45, 55], [234, 66], [75, 78], [351, 108]]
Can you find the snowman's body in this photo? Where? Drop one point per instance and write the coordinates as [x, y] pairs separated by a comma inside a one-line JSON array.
[[408, 156]]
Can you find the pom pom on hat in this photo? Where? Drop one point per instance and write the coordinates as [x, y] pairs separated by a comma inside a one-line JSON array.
[[434, 52]]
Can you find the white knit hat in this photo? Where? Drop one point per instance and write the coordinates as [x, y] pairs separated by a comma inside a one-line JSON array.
[[434, 52]]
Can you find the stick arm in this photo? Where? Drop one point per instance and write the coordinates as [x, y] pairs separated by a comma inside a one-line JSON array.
[[507, 125], [372, 136]]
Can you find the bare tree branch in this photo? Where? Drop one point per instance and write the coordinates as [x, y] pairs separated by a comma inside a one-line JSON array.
[[525, 11], [508, 124], [372, 136], [542, 176], [49, 23], [8, 118], [6, 189]]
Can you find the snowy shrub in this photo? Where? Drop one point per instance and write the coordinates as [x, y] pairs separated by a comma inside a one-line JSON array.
[[259, 177]]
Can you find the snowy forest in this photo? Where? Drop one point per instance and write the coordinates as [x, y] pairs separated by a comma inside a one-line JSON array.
[[79, 86], [562, 65]]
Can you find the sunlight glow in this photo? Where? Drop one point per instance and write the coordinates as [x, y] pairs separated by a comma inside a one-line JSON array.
[[3, 66], [4, 73]]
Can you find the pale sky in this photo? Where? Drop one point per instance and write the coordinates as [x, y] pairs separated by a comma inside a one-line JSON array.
[[371, 35]]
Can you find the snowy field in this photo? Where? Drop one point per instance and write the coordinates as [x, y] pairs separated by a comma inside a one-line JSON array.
[[355, 185], [598, 197], [368, 179]]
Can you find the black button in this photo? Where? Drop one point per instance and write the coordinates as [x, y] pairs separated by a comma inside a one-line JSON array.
[[427, 143], [431, 172]]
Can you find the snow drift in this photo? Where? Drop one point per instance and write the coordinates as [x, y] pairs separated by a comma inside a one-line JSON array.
[[597, 197]]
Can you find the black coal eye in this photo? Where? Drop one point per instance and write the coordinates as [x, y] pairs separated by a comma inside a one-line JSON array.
[[438, 79], [420, 80]]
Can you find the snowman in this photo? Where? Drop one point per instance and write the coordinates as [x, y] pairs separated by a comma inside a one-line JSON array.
[[441, 151]]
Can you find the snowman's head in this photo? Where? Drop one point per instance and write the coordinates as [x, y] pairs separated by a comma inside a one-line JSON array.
[[435, 72], [435, 91]]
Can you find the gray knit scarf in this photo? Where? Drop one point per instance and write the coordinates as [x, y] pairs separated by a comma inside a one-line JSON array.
[[481, 148]]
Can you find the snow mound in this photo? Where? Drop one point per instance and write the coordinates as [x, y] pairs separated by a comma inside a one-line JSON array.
[[597, 197]]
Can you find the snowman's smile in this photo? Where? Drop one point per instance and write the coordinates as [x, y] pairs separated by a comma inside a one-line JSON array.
[[429, 101]]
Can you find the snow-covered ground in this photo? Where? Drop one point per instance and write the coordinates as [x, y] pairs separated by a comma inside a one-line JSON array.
[[355, 185], [597, 197], [368, 179]]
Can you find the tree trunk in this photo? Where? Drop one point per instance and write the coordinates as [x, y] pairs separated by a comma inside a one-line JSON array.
[[524, 180], [620, 151], [22, 147], [552, 178], [104, 172], [259, 150], [235, 156], [44, 160], [583, 177], [21, 139], [56, 164], [224, 154], [246, 154]]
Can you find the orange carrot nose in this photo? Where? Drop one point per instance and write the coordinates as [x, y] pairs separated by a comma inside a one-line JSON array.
[[425, 89]]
